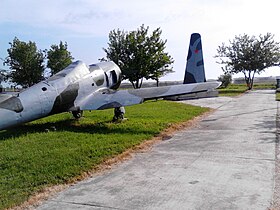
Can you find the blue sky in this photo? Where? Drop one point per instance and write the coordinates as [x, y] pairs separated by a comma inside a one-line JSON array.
[[85, 25]]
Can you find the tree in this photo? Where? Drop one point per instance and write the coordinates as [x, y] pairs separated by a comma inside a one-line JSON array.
[[139, 55], [2, 76], [249, 55], [26, 63], [226, 79], [58, 57]]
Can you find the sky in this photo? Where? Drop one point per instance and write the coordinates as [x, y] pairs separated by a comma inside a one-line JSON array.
[[85, 25]]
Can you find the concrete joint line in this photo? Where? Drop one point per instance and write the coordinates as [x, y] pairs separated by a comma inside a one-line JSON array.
[[88, 204], [252, 158]]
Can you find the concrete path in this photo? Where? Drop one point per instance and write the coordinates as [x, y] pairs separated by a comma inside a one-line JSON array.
[[226, 162]]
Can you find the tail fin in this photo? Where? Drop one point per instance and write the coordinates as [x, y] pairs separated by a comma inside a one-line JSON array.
[[195, 66]]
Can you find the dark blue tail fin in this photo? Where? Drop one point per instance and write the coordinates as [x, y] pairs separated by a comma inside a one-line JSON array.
[[195, 66]]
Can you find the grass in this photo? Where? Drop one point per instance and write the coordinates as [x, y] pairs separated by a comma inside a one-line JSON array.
[[233, 90], [237, 89], [277, 96], [32, 159], [263, 86]]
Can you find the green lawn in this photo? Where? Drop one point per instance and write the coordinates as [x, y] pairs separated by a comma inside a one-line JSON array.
[[277, 96], [237, 89], [232, 90], [32, 159], [263, 86]]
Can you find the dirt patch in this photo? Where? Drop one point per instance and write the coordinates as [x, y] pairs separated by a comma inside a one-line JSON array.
[[37, 199]]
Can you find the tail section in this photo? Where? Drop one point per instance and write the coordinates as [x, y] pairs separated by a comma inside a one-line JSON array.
[[195, 66]]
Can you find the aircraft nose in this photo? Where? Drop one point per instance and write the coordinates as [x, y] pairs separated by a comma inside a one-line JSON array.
[[7, 118]]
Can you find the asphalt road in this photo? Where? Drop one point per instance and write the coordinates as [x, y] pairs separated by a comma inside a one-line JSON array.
[[226, 162]]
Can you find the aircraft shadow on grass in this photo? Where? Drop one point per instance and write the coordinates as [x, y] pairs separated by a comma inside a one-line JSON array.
[[70, 125]]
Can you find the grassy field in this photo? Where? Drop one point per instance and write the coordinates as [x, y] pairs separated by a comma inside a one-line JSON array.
[[32, 159], [263, 86], [232, 90], [277, 96], [237, 89]]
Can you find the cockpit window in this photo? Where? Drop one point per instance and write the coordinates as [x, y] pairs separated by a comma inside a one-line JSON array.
[[93, 67], [99, 80]]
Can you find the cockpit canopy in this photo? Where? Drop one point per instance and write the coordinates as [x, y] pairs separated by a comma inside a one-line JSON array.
[[112, 73], [104, 71]]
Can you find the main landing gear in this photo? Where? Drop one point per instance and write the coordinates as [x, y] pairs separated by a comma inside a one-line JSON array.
[[77, 114], [119, 114]]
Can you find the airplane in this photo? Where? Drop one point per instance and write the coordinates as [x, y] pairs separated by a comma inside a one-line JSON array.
[[79, 87]]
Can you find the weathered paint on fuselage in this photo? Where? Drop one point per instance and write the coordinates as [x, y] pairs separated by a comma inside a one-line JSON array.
[[58, 93], [79, 87]]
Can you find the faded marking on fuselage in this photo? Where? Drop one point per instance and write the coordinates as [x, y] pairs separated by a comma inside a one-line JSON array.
[[57, 76], [65, 100], [12, 103], [200, 63], [190, 77], [145, 93], [110, 105], [99, 80]]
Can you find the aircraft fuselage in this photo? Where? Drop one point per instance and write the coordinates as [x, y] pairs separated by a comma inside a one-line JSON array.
[[59, 93]]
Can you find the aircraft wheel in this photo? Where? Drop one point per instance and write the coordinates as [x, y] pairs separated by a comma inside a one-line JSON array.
[[77, 114], [119, 113]]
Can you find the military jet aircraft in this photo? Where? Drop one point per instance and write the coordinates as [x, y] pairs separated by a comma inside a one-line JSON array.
[[80, 87]]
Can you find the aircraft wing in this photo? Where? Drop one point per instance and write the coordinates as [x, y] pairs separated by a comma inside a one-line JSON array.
[[106, 99]]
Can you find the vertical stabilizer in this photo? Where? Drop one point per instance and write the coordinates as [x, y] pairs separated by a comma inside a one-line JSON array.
[[195, 66]]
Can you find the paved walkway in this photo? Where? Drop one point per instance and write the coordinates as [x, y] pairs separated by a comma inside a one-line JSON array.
[[226, 162]]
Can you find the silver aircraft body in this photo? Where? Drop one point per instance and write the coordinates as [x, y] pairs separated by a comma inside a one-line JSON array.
[[80, 87]]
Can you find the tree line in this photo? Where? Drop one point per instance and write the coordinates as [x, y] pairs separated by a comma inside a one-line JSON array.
[[26, 61], [141, 55]]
